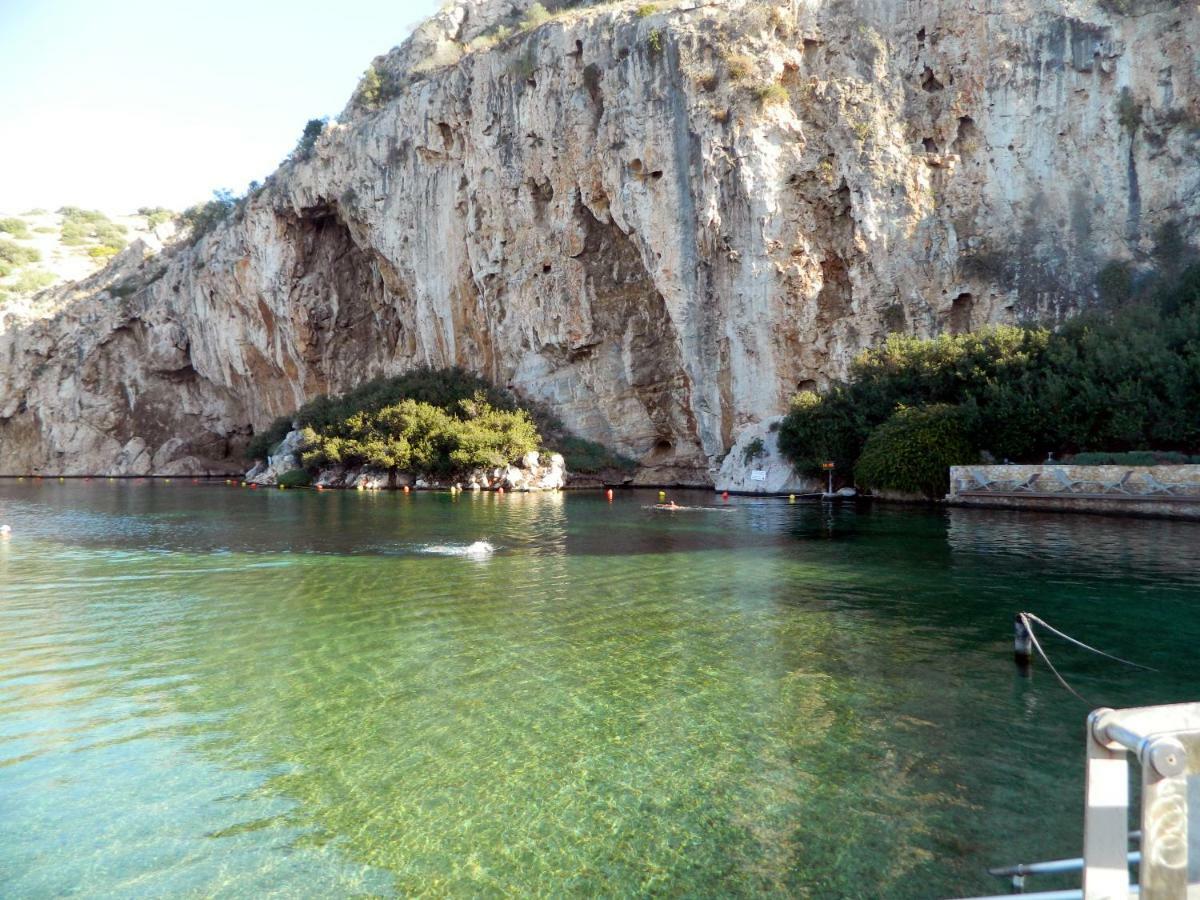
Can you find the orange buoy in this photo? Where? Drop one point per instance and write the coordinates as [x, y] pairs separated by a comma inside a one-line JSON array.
[[254, 487], [609, 495], [320, 487], [499, 490], [406, 489]]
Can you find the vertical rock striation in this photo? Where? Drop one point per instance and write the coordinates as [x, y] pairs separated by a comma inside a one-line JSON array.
[[662, 225]]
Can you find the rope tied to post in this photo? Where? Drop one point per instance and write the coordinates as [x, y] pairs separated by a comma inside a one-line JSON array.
[[1028, 619]]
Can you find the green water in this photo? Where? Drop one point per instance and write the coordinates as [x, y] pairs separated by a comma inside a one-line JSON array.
[[209, 691]]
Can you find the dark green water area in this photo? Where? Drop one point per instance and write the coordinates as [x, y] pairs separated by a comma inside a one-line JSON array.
[[212, 691]]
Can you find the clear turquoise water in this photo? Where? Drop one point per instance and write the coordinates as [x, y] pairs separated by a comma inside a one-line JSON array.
[[208, 691]]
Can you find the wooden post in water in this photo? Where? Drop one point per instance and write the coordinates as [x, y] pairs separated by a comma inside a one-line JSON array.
[[1022, 643]]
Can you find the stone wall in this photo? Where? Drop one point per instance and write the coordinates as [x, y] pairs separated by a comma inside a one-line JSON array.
[[1162, 491]]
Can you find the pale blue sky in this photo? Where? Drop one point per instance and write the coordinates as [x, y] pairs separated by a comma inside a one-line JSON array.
[[141, 103]]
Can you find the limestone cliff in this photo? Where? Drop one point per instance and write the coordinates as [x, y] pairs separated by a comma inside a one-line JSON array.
[[659, 221]]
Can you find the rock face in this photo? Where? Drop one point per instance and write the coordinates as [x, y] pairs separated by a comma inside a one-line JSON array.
[[285, 458], [754, 464], [661, 225]]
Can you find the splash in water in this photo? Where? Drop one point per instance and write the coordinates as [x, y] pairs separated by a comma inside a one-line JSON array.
[[477, 550]]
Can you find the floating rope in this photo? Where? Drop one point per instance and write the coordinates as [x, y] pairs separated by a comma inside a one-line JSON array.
[[1027, 619], [1030, 617]]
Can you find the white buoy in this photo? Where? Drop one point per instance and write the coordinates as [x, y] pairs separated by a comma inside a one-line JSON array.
[[5, 530]]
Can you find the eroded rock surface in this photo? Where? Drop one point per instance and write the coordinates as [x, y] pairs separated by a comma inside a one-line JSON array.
[[660, 225]]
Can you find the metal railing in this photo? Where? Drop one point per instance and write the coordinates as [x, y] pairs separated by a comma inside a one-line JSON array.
[[1165, 740]]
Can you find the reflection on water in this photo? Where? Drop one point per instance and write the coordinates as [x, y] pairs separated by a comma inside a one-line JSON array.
[[207, 690]]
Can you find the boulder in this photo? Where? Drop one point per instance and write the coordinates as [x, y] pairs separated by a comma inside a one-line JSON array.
[[285, 459], [754, 464]]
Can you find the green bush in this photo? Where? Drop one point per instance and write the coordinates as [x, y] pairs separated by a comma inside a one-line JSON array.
[[203, 218], [84, 226], [375, 89], [1111, 380], [155, 215], [264, 443], [756, 449], [588, 457], [535, 16], [914, 449], [16, 227], [771, 93], [15, 255], [646, 9], [1129, 111], [78, 214], [295, 478], [415, 436]]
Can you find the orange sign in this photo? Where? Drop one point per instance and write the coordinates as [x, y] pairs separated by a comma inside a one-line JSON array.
[[828, 465]]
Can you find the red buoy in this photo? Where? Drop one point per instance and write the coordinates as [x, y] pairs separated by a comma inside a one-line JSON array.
[[609, 495], [725, 495]]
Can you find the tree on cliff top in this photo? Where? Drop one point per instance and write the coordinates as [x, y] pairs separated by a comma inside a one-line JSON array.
[[308, 140]]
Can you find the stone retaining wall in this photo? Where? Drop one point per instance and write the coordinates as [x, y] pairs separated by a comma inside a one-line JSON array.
[[1165, 491]]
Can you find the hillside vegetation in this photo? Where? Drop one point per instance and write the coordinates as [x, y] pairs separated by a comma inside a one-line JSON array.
[[1119, 379], [39, 248]]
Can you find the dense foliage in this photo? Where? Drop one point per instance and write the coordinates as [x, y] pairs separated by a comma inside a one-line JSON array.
[[430, 420], [295, 478], [913, 450], [414, 436], [1112, 380]]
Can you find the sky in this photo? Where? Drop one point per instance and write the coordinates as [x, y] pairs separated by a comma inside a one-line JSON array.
[[159, 102]]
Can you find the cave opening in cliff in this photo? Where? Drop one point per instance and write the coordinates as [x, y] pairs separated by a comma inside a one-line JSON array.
[[960, 313]]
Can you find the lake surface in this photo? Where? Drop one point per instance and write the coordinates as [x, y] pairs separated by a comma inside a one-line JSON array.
[[212, 691]]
